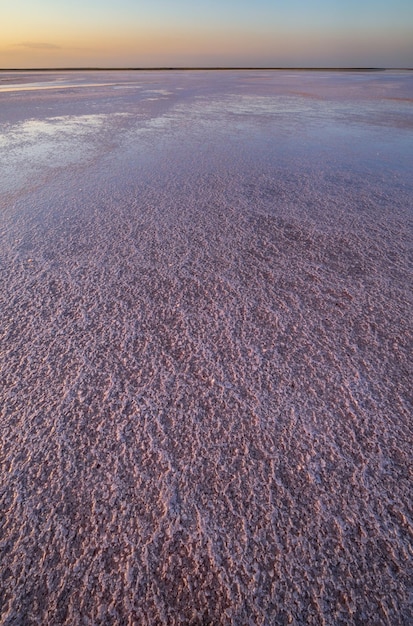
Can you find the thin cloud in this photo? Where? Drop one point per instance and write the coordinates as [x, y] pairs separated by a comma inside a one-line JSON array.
[[34, 45]]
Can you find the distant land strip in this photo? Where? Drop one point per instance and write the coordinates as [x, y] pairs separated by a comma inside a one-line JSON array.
[[154, 69]]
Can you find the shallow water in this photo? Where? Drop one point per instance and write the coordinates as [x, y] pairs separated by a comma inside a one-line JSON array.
[[206, 331]]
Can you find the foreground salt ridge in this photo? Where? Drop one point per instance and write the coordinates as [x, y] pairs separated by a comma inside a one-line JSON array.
[[207, 325]]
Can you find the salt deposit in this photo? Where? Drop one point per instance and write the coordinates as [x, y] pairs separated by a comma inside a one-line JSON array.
[[206, 331]]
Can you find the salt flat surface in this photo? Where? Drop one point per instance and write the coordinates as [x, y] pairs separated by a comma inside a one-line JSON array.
[[206, 338]]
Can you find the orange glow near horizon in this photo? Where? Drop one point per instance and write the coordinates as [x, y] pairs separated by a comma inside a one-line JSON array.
[[96, 36]]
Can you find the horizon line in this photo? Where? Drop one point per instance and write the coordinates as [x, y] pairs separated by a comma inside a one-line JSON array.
[[202, 68]]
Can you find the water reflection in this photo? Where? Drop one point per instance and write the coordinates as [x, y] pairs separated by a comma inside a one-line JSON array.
[[300, 117], [38, 144]]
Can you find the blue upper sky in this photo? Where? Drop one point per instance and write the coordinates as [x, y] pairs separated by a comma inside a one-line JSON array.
[[38, 33]]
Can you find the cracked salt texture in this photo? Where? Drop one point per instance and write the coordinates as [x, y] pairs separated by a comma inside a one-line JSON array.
[[206, 332]]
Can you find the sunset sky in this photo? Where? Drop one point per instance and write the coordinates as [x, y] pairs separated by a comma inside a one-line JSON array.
[[143, 33]]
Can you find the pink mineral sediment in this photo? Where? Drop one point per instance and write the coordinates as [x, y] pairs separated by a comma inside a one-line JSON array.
[[206, 324]]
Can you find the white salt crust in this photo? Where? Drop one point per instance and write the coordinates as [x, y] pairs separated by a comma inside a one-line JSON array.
[[206, 339]]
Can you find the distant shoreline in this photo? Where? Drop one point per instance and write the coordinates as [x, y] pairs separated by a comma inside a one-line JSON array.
[[154, 69]]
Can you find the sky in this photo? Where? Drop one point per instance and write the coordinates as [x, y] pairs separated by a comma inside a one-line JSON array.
[[202, 33]]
